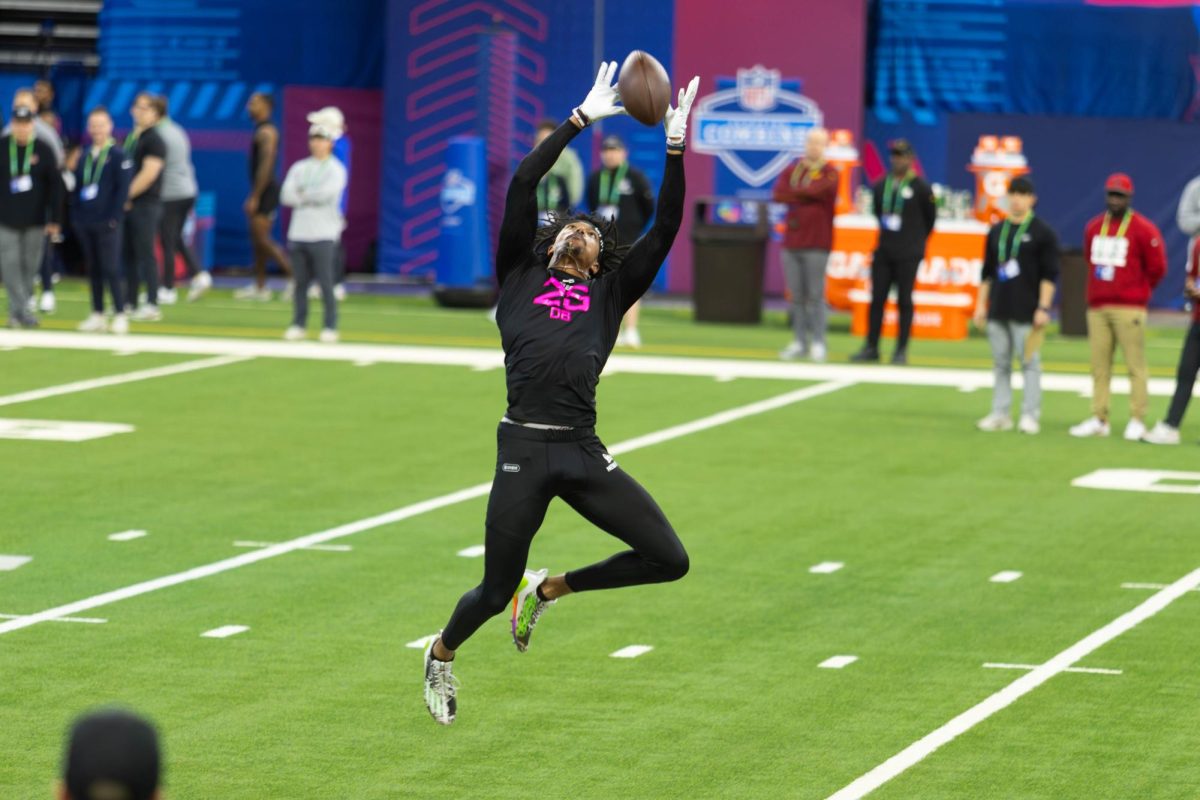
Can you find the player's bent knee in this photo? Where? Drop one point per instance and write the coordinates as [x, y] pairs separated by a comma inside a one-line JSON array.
[[675, 567]]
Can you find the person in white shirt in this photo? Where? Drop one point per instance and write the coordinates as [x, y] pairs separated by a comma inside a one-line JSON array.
[[313, 190]]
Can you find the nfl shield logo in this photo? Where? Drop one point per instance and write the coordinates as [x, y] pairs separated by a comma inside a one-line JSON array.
[[757, 88]]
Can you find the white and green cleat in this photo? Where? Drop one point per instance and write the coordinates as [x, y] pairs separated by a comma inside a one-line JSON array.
[[527, 608], [441, 688]]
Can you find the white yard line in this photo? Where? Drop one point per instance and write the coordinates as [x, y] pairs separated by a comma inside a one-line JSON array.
[[493, 358], [632, 651], [117, 380], [85, 620], [1022, 686], [1028, 667], [396, 515]]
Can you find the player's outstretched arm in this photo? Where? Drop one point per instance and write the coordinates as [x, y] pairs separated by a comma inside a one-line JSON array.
[[649, 252], [520, 205]]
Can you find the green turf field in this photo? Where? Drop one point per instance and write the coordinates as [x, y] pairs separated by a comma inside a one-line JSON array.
[[320, 697]]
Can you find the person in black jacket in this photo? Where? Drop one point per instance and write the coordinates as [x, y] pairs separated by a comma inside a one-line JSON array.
[[621, 192], [563, 290], [904, 206], [1020, 269], [97, 213], [30, 209], [143, 211]]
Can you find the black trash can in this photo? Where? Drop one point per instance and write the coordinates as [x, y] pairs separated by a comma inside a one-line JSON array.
[[727, 267], [1072, 294]]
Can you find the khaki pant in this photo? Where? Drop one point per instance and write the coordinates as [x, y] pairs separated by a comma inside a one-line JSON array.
[[1109, 326]]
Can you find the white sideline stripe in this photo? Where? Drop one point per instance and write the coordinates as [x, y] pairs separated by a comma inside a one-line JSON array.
[[225, 631], [59, 430], [826, 567], [333, 548], [1022, 686], [126, 536], [474, 551], [1007, 576], [116, 380], [9, 563], [632, 651], [1088, 670], [421, 643], [85, 620], [1148, 586], [837, 662], [494, 358], [396, 515]]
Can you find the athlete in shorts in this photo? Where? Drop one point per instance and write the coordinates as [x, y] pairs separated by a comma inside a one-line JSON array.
[[262, 204], [564, 288]]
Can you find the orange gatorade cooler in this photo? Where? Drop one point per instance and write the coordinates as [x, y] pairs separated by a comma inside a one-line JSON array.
[[842, 155], [995, 162]]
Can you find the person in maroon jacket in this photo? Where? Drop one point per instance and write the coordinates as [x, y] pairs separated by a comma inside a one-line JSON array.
[[809, 187], [1126, 260], [1167, 431]]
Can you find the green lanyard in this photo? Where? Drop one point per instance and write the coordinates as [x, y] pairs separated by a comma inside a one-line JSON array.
[[131, 142], [1123, 227], [809, 174], [548, 194], [93, 169], [1016, 242], [12, 157], [610, 186], [896, 200]]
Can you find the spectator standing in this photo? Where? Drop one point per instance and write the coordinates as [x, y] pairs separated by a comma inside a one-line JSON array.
[[145, 150], [1167, 430], [179, 192]]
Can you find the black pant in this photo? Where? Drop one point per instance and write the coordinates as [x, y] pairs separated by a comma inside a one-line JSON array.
[[532, 468], [887, 270], [137, 248], [170, 233], [1185, 377], [101, 246]]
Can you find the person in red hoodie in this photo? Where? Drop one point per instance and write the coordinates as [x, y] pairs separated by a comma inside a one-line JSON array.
[[809, 187], [1167, 431], [1126, 260]]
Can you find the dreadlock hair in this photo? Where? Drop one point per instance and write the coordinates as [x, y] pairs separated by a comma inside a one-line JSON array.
[[612, 253]]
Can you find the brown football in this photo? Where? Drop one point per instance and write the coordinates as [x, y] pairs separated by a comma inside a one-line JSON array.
[[645, 88]]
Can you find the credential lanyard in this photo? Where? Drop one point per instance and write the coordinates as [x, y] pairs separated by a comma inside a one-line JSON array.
[[1123, 226], [610, 186], [1016, 242], [12, 157], [893, 196], [93, 169]]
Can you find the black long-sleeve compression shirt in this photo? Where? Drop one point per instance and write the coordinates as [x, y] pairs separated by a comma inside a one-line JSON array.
[[557, 330]]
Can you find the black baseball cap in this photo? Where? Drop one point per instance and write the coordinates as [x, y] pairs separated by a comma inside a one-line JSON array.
[[1021, 185], [114, 750], [900, 147], [612, 143], [22, 114]]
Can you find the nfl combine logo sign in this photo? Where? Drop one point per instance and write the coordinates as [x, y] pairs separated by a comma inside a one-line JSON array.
[[755, 124]]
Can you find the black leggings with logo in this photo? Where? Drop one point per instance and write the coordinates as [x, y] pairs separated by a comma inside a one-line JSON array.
[[532, 468]]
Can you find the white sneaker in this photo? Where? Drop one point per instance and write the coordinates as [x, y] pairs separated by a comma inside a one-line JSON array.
[[200, 284], [818, 352], [252, 292], [31, 304], [93, 324], [528, 607], [441, 687], [339, 292], [793, 351], [167, 297], [120, 324], [314, 292], [147, 313], [1162, 433], [1028, 425], [1135, 430], [288, 291], [1092, 426], [328, 336], [995, 422], [47, 304], [294, 333], [142, 298]]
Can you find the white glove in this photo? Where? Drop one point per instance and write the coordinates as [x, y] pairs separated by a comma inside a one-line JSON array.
[[676, 119], [601, 101]]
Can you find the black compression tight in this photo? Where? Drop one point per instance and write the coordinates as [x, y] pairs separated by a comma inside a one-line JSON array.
[[532, 468]]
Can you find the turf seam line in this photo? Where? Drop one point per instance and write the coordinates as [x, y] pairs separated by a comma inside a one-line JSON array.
[[117, 380], [918, 750], [396, 515]]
